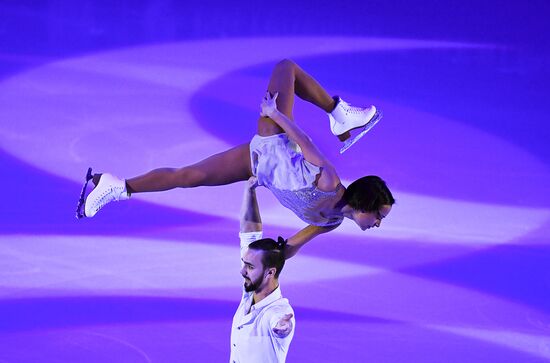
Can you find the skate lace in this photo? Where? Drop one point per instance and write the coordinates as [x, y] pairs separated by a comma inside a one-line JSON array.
[[108, 196], [354, 109]]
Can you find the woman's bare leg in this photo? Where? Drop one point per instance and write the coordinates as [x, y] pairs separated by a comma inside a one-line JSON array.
[[289, 79], [227, 167], [234, 165]]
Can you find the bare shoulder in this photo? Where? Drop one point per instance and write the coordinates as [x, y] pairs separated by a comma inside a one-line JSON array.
[[329, 180]]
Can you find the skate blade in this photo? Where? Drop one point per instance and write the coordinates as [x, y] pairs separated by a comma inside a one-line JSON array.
[[80, 205], [369, 125]]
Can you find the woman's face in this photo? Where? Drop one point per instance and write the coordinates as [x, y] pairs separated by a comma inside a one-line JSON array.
[[366, 220]]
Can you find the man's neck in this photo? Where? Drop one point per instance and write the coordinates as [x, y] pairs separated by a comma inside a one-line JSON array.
[[265, 292]]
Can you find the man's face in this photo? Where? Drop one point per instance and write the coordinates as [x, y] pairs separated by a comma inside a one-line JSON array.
[[366, 220], [252, 271]]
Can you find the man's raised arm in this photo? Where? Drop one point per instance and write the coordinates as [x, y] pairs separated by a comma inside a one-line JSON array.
[[250, 220]]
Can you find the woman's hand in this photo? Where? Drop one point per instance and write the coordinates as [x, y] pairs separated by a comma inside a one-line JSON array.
[[269, 105]]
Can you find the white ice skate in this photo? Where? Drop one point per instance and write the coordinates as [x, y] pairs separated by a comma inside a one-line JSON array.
[[108, 189], [345, 118]]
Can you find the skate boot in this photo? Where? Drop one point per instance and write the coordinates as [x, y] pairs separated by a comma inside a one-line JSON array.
[[345, 118], [108, 189]]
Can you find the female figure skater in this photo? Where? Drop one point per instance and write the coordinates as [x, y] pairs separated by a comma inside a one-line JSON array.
[[283, 158]]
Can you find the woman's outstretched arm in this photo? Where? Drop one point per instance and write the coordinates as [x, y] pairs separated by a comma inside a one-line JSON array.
[[305, 235]]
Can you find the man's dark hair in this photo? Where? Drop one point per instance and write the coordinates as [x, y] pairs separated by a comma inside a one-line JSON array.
[[368, 194], [272, 253]]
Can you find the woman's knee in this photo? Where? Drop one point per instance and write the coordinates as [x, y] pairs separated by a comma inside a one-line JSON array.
[[286, 65]]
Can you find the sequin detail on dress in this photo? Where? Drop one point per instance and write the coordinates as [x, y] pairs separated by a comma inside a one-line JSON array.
[[305, 203]]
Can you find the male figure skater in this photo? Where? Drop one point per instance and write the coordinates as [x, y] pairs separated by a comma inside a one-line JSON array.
[[263, 325]]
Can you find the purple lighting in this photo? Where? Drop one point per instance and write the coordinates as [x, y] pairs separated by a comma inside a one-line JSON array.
[[458, 272]]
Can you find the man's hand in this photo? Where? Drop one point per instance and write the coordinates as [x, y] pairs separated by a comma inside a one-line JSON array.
[[252, 183], [284, 326], [269, 105]]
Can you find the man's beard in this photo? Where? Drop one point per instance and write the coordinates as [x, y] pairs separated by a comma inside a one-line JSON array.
[[253, 285]]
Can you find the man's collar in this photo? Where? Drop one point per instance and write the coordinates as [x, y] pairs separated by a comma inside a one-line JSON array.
[[275, 295]]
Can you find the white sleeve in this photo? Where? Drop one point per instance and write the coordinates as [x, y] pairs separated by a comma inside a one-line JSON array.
[[249, 237]]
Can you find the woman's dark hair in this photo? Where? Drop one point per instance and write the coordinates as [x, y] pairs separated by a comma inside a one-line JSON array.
[[368, 194], [272, 253]]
